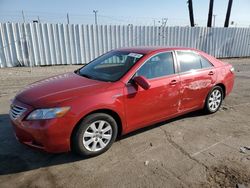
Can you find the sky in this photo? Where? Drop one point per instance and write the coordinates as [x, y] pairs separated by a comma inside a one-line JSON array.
[[137, 12]]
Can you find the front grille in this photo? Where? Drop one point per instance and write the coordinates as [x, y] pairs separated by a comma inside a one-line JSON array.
[[16, 111]]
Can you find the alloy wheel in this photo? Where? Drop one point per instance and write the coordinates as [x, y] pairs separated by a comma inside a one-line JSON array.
[[97, 136], [215, 100]]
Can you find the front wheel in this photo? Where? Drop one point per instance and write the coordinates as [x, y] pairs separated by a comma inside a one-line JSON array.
[[214, 100], [95, 134]]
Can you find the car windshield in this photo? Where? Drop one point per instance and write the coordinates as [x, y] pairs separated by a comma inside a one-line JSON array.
[[110, 66]]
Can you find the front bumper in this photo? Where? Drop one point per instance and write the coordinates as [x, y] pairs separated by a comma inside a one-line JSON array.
[[49, 135]]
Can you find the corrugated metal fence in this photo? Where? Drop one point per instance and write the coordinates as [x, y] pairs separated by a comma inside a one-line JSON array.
[[35, 44]]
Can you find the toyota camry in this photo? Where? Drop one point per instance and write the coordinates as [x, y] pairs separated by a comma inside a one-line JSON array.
[[121, 91]]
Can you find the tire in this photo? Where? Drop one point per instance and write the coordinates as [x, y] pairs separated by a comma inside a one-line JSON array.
[[94, 135], [214, 100]]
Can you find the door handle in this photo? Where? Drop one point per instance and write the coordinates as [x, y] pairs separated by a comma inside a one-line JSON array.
[[173, 82], [211, 73]]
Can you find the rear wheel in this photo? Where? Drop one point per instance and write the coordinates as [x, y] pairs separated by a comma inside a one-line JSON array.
[[94, 135], [214, 100]]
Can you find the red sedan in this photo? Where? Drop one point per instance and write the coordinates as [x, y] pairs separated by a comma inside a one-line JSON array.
[[118, 92]]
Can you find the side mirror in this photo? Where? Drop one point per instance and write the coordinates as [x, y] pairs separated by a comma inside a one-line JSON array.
[[142, 81]]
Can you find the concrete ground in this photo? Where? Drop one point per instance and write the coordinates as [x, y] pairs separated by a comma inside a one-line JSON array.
[[194, 150]]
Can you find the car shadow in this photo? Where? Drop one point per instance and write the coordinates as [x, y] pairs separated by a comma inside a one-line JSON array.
[[16, 157]]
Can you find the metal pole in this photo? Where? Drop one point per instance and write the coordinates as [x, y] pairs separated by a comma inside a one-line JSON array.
[[229, 7], [23, 16], [191, 14], [210, 13], [214, 20], [68, 18], [164, 22], [95, 12]]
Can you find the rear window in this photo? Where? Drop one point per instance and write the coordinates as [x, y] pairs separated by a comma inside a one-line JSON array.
[[192, 61], [188, 61], [205, 63]]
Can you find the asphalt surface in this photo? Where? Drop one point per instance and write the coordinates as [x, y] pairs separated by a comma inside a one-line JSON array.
[[194, 150]]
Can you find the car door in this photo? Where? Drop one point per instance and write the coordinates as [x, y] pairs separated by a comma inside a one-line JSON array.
[[160, 100], [197, 77]]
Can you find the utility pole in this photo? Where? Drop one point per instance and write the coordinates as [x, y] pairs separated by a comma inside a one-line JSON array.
[[95, 12], [191, 14], [68, 18], [23, 16], [38, 19], [210, 13], [229, 7], [164, 22], [214, 15]]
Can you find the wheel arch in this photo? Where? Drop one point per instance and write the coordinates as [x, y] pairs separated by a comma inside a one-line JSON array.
[[223, 87], [110, 112]]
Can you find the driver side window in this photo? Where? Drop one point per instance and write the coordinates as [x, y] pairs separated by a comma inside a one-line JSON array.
[[159, 65]]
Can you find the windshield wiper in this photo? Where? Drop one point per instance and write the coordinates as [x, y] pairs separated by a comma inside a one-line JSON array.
[[84, 75], [77, 71], [89, 76]]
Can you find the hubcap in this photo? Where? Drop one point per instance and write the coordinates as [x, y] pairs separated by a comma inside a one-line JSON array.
[[215, 100], [97, 135]]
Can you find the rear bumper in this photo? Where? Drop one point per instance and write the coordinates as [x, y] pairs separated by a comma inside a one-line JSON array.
[[229, 84]]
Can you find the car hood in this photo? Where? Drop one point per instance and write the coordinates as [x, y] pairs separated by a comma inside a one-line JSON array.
[[54, 90]]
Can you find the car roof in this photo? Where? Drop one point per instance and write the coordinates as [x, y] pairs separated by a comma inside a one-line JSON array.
[[149, 49]]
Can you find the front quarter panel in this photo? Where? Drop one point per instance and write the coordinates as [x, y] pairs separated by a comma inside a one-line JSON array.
[[105, 100]]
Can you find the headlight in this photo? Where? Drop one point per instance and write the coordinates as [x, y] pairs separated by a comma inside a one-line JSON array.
[[48, 113]]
